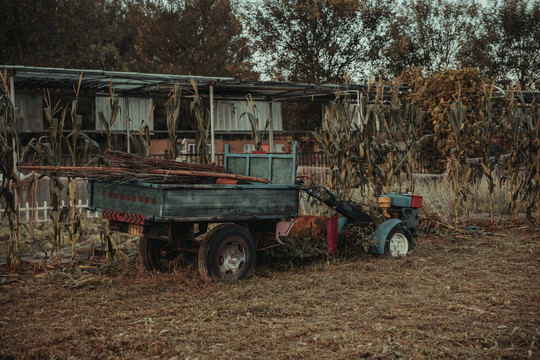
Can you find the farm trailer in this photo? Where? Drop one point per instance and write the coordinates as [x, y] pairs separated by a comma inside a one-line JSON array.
[[170, 218]]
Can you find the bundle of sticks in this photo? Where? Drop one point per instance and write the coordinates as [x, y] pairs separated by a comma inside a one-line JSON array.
[[129, 161], [127, 167]]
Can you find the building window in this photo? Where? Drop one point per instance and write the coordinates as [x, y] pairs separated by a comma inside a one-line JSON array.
[[278, 148], [249, 148]]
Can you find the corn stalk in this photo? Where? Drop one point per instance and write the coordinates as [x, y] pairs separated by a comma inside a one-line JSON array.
[[366, 130], [202, 118], [513, 132], [114, 104], [11, 154], [251, 114], [489, 126], [172, 110], [459, 173], [529, 187], [79, 145], [142, 141], [535, 120], [338, 140], [413, 119], [49, 149], [371, 146], [389, 153]]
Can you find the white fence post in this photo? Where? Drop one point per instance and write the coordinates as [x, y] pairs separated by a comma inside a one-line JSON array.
[[26, 211], [88, 214]]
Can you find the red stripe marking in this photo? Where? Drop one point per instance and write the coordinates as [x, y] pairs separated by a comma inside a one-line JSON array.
[[124, 216]]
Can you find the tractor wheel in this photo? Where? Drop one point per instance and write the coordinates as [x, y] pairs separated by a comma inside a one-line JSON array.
[[399, 242], [227, 253]]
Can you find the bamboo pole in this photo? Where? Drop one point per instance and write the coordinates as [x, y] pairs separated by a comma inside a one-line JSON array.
[[87, 172]]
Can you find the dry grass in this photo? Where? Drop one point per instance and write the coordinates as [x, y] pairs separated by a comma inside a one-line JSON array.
[[91, 243], [438, 199], [455, 297]]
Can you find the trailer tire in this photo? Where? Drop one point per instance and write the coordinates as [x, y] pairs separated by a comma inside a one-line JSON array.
[[157, 254], [144, 251], [399, 242], [227, 253]]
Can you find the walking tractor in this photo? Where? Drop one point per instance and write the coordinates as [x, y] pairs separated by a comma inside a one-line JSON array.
[[257, 196]]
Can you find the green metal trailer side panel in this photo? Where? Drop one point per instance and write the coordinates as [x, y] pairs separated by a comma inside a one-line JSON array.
[[237, 166], [282, 170], [259, 167], [277, 168], [210, 202], [138, 198], [183, 202], [231, 201]]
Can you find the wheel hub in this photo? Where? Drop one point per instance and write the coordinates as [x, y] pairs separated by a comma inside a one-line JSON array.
[[231, 258], [399, 245], [168, 256]]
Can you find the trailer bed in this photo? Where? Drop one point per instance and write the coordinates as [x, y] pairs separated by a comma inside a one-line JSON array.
[[191, 202], [207, 202]]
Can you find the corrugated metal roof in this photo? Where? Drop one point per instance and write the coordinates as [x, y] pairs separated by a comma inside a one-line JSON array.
[[27, 77], [57, 78], [31, 78]]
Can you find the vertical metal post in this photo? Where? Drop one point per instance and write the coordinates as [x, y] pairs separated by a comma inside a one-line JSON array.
[[213, 140], [12, 90], [358, 109], [126, 111], [271, 128]]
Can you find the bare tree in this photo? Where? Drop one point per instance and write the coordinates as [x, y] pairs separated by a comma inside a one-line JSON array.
[[429, 34], [506, 47], [70, 33], [199, 37], [315, 40]]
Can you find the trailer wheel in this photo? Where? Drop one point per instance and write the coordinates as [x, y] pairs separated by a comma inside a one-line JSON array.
[[227, 253], [144, 251], [159, 255], [399, 242]]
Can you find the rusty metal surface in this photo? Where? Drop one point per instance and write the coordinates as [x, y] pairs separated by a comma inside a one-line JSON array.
[[185, 202], [277, 168]]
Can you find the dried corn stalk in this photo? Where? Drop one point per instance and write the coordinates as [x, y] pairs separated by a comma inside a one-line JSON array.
[[172, 109], [488, 127], [11, 154], [460, 173], [202, 118], [251, 115], [338, 139]]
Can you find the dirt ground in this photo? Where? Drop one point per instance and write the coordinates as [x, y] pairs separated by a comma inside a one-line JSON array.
[[457, 296]]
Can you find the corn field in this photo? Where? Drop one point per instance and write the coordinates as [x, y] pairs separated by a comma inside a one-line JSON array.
[[372, 145], [65, 132]]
